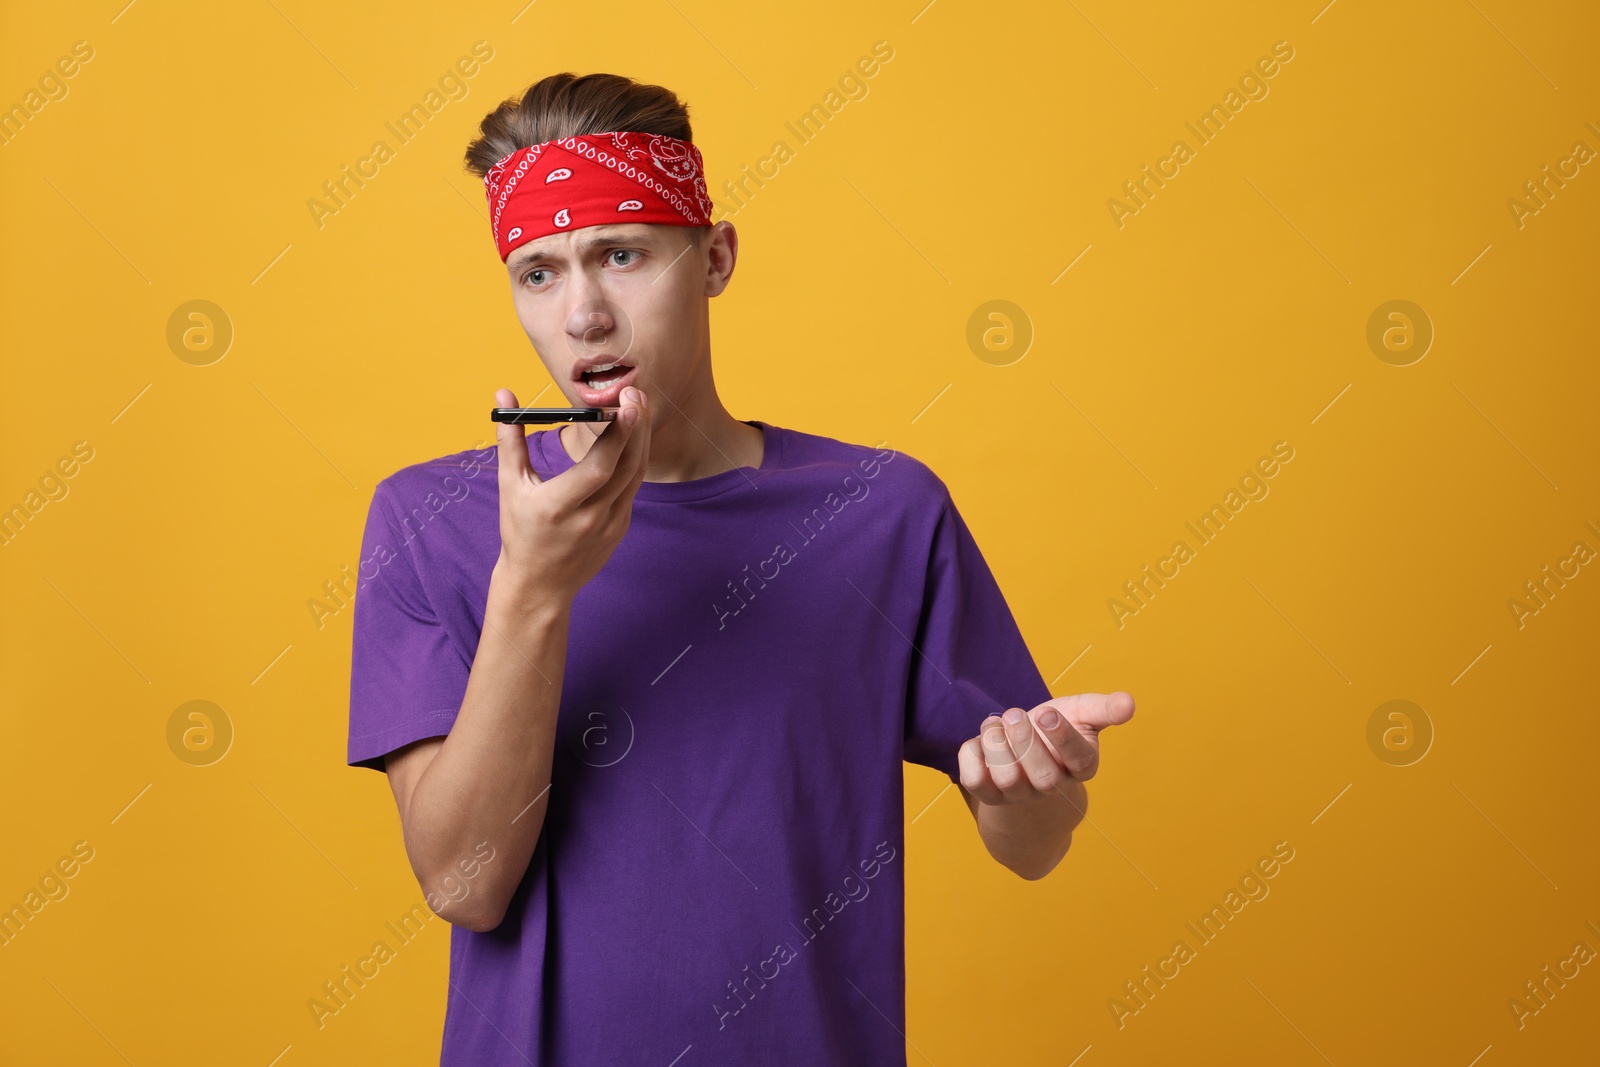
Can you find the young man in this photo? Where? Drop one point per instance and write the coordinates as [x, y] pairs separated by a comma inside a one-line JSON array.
[[644, 698]]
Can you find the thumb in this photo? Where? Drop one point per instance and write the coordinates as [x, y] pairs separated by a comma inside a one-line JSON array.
[[1095, 710]]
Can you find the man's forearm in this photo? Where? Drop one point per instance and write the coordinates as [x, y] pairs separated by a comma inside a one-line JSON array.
[[490, 779], [1031, 838]]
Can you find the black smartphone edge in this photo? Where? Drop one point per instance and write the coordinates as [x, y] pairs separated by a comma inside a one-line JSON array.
[[546, 415]]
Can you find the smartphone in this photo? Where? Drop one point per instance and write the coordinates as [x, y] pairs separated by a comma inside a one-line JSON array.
[[553, 414]]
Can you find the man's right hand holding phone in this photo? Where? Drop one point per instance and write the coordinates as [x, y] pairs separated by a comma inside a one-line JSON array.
[[557, 535]]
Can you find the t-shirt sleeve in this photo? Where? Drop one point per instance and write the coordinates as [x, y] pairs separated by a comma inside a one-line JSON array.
[[407, 678], [970, 660]]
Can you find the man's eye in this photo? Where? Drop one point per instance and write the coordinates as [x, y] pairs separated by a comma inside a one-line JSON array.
[[623, 252], [529, 277]]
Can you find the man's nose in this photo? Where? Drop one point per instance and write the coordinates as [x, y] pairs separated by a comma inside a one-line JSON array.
[[589, 325]]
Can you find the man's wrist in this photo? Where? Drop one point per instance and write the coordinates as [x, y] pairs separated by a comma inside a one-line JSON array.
[[523, 598]]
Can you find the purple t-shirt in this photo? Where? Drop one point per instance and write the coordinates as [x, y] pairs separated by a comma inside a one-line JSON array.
[[720, 874]]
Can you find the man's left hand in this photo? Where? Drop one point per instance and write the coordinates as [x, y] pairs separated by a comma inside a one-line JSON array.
[[1023, 756]]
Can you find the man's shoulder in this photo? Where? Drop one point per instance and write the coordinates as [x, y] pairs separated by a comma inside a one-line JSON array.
[[448, 475], [879, 463]]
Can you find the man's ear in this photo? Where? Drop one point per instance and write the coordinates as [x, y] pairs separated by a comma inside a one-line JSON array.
[[721, 249]]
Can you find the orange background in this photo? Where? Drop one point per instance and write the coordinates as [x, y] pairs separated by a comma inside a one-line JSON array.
[[1230, 312]]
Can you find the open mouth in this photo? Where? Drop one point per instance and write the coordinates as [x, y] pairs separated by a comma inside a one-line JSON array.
[[601, 386], [600, 377]]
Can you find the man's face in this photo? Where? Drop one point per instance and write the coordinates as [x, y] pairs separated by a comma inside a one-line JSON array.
[[628, 293]]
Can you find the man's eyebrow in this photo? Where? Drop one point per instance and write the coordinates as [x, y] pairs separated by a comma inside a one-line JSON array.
[[611, 240]]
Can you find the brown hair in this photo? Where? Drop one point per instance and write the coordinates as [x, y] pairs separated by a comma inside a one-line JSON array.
[[568, 105]]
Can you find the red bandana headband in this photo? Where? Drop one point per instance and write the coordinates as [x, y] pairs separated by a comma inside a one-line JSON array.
[[594, 179]]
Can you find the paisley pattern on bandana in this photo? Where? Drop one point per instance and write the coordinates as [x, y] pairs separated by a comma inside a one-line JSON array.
[[594, 179]]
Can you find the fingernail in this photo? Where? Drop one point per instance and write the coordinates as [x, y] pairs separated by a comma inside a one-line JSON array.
[[631, 394], [1049, 719], [1012, 717]]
